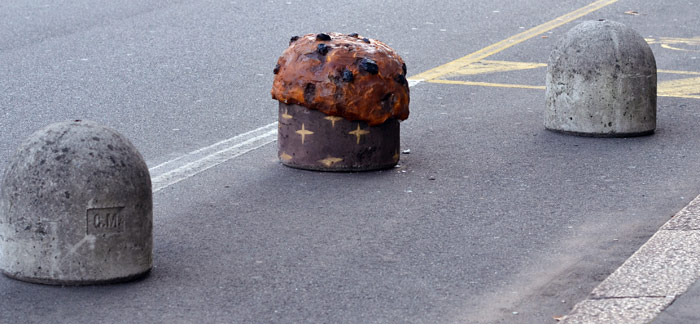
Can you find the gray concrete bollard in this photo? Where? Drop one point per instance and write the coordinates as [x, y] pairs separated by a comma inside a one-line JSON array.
[[601, 81], [76, 208]]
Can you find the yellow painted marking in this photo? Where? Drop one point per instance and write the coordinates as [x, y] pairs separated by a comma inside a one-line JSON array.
[[333, 119], [474, 63], [666, 43], [666, 46], [682, 88], [481, 54], [285, 156], [489, 84], [678, 43], [486, 66], [330, 161], [678, 72], [303, 132], [679, 96], [695, 41], [286, 114], [359, 132]]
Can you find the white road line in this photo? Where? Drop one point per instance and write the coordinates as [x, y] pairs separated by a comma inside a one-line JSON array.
[[651, 279], [412, 82], [188, 165]]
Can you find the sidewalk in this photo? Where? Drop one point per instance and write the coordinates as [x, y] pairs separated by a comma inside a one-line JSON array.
[[659, 280]]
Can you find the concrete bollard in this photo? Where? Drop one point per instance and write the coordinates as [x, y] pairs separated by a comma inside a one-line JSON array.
[[601, 81], [340, 101], [76, 208]]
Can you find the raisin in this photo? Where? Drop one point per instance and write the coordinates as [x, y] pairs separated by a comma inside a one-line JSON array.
[[322, 49], [354, 35], [369, 66], [400, 79], [323, 37], [348, 76], [309, 93], [387, 102], [366, 40], [277, 69], [293, 39]]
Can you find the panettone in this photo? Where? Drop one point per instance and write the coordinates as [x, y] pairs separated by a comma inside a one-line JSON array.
[[341, 75]]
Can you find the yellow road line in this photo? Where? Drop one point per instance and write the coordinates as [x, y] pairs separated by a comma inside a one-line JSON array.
[[509, 42], [666, 43], [679, 96], [488, 84], [674, 40], [683, 88], [666, 46], [488, 66], [678, 72]]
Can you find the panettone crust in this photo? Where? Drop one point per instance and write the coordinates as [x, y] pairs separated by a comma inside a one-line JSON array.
[[343, 75]]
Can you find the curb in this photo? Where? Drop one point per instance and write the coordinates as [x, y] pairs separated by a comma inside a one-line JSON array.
[[651, 279]]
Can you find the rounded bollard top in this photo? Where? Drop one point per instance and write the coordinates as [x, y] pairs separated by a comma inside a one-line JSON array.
[[602, 43], [76, 208], [72, 158]]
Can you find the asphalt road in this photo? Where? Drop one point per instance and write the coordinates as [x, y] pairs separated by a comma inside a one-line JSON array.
[[518, 225]]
